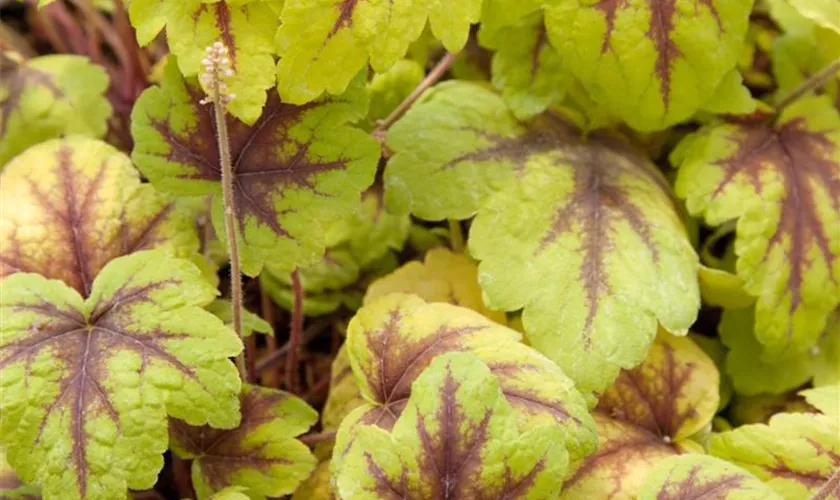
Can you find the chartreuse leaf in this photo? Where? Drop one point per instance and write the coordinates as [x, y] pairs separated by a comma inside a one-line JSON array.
[[526, 68], [50, 96], [230, 493], [388, 89], [87, 383], [250, 322], [261, 454], [823, 12], [458, 438], [649, 413], [760, 409], [825, 398], [782, 183], [581, 233], [246, 27], [716, 351], [323, 45], [78, 204], [295, 170], [10, 485], [695, 477], [654, 63], [344, 395], [392, 339], [795, 453], [317, 486]]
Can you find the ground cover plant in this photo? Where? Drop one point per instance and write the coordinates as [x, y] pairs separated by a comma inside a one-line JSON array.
[[416, 249]]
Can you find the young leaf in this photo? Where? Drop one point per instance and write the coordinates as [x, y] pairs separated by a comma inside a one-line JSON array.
[[323, 45], [648, 414], [782, 183], [295, 170], [87, 383], [392, 339], [526, 68], [795, 454], [581, 233], [47, 97], [246, 27], [695, 477], [655, 63], [80, 204], [250, 322], [261, 454], [458, 438]]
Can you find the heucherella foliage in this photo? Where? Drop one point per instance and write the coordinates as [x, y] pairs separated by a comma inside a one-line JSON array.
[[650, 413], [247, 28], [694, 477], [87, 383], [323, 45], [603, 256], [392, 339], [782, 182], [457, 438], [10, 485], [47, 97], [74, 205], [794, 453], [295, 170], [261, 454], [654, 63]]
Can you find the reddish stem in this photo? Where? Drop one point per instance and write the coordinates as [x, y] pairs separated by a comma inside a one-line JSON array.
[[295, 335], [250, 357], [268, 314], [182, 477], [318, 437]]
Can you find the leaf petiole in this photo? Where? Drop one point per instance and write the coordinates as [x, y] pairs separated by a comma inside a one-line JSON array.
[[813, 82]]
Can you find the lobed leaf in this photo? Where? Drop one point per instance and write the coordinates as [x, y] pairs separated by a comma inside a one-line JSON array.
[[80, 204], [826, 399], [582, 233], [296, 170], [692, 477], [11, 486], [87, 383], [389, 89], [48, 97], [246, 27], [260, 455], [654, 63], [782, 183], [392, 339], [251, 322], [649, 414], [323, 45], [823, 12], [458, 438]]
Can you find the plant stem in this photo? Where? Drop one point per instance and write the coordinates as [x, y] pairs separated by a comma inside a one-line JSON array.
[[270, 379], [434, 75], [295, 334], [456, 236], [228, 203], [830, 488], [318, 437], [813, 82]]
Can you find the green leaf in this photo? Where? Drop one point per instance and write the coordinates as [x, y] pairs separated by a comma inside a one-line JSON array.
[[826, 399], [296, 170], [47, 97], [823, 12], [526, 68], [11, 487], [458, 438], [794, 454], [323, 45], [230, 493], [695, 477], [246, 27], [388, 89], [344, 395], [392, 339], [251, 322], [648, 414], [581, 233], [760, 409], [654, 63], [87, 383], [782, 183], [317, 486], [261, 454], [80, 204], [716, 351]]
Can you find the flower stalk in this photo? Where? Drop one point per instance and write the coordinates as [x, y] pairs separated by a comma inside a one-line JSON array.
[[217, 68]]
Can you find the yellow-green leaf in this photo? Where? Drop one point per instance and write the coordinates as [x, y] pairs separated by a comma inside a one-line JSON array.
[[823, 12], [11, 487], [87, 383]]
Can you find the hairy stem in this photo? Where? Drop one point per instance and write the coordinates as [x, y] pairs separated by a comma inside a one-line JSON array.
[[295, 335], [814, 82], [228, 202], [434, 75]]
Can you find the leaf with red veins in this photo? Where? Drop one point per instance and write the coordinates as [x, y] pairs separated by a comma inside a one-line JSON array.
[[782, 183], [261, 455], [73, 205], [646, 416], [87, 384], [295, 170], [654, 63], [457, 438]]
